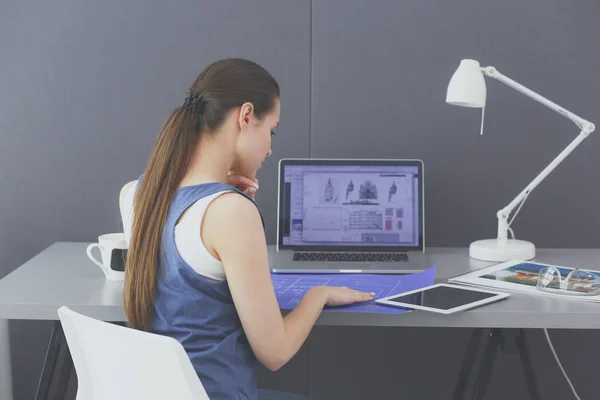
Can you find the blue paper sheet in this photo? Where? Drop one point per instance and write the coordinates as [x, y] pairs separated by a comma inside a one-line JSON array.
[[290, 288]]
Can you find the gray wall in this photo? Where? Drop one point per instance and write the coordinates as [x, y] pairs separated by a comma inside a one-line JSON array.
[[84, 87]]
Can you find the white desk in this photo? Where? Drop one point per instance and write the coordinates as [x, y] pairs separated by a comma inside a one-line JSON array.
[[63, 275]]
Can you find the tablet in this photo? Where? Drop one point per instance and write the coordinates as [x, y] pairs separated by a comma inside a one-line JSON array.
[[443, 298]]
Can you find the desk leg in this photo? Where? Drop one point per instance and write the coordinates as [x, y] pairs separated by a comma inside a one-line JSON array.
[[57, 369], [521, 342], [5, 363], [467, 364], [494, 341]]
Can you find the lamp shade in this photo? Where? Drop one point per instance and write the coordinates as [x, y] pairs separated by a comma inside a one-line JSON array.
[[467, 86]]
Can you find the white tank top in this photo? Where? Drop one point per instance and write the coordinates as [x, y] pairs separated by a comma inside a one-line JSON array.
[[187, 235]]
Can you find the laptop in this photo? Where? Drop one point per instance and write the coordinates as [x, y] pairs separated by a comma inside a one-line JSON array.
[[354, 216]]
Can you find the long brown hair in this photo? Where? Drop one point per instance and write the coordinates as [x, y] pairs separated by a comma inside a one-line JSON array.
[[221, 87]]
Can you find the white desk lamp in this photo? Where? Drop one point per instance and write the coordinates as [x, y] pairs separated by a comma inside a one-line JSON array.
[[467, 88]]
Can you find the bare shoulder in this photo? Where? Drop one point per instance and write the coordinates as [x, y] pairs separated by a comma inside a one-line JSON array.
[[232, 214], [233, 206], [231, 218]]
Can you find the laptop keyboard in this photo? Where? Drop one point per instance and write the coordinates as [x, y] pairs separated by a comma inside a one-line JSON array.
[[372, 257]]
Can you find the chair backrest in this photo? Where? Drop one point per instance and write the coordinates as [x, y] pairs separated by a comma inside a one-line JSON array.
[[125, 199], [122, 194], [118, 363]]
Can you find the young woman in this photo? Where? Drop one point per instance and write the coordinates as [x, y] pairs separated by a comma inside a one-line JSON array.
[[197, 263]]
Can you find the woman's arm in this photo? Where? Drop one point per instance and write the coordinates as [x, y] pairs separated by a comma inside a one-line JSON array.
[[233, 230]]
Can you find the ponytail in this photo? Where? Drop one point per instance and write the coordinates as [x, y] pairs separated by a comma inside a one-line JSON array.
[[166, 167]]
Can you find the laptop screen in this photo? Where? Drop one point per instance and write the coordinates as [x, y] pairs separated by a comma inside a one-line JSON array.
[[374, 205]]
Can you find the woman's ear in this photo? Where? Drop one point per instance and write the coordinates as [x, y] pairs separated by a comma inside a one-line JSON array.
[[246, 111]]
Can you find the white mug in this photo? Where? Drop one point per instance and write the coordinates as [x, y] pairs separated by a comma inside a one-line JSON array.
[[113, 251]]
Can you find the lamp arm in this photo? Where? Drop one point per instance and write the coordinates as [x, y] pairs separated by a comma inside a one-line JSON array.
[[585, 126], [493, 73]]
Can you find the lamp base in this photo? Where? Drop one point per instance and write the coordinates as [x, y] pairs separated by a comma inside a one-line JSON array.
[[494, 250]]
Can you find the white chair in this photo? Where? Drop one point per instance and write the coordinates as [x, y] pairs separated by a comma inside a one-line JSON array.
[[125, 199], [123, 194], [118, 363]]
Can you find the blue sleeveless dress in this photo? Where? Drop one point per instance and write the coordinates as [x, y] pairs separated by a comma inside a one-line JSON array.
[[199, 312]]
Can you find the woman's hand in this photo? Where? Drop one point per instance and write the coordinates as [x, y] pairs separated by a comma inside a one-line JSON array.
[[243, 183], [341, 296]]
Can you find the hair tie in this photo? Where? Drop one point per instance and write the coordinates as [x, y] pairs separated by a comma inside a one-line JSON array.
[[193, 103]]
